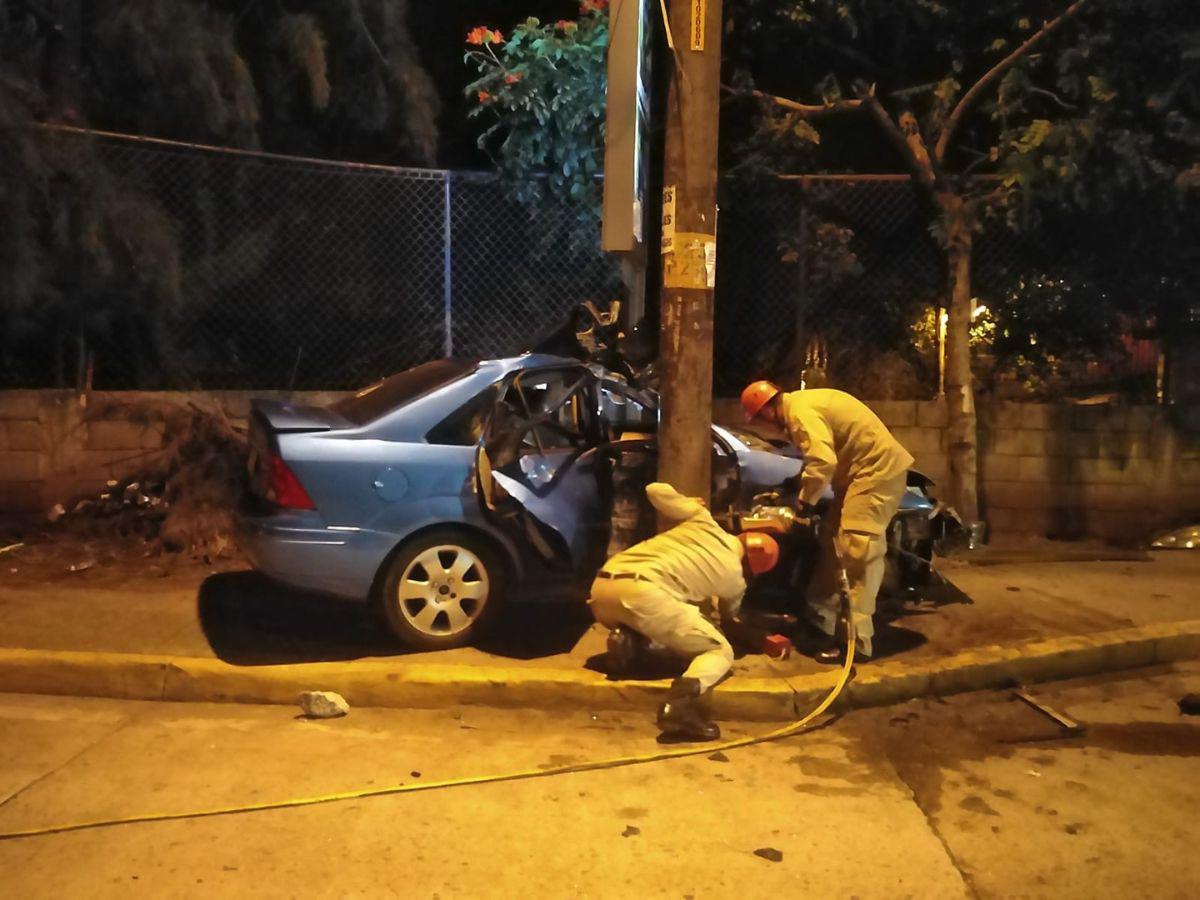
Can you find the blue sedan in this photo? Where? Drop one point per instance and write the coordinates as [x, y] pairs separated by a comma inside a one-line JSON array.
[[438, 489]]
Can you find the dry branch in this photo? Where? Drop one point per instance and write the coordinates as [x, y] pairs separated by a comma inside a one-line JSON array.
[[971, 97]]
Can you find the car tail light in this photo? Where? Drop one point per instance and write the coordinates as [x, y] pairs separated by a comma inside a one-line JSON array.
[[284, 488]]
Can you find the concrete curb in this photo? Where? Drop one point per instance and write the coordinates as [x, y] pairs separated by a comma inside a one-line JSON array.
[[403, 685]]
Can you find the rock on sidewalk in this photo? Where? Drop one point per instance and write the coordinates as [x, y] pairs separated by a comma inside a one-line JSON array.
[[323, 704]]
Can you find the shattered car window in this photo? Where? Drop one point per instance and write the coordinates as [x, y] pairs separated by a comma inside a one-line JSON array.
[[552, 405], [625, 414], [542, 415]]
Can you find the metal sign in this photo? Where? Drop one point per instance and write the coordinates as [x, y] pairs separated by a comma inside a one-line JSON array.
[[627, 123]]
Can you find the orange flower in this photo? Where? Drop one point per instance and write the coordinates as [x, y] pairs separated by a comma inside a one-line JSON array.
[[496, 37], [484, 96], [588, 6], [512, 77], [476, 36]]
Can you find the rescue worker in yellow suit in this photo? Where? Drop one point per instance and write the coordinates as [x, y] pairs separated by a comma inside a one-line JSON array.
[[846, 445], [655, 588]]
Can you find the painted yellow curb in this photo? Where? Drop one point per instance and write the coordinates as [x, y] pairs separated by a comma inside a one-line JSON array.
[[421, 685]]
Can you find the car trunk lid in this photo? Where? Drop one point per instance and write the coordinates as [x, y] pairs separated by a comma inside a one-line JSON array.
[[271, 479], [282, 417]]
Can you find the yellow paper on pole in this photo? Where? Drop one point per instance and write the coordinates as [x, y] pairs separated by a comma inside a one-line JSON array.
[[692, 263]]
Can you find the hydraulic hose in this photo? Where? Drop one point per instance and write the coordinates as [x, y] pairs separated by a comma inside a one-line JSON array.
[[494, 778]]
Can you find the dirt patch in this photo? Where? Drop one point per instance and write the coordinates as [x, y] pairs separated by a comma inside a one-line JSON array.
[[978, 805], [964, 729], [55, 557], [1180, 739]]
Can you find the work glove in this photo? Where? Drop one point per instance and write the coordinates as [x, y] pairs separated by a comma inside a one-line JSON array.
[[812, 512]]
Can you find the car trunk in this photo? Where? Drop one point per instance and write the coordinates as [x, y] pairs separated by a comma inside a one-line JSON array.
[[268, 420]]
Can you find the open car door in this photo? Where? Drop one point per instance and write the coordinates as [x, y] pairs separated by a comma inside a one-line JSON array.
[[540, 468]]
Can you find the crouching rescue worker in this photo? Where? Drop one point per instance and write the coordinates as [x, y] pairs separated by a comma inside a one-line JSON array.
[[655, 588], [846, 445]]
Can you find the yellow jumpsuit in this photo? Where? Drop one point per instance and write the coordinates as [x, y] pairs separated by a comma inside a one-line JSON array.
[[846, 445], [662, 581]]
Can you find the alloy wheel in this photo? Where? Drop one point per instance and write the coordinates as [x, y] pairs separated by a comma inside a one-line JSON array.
[[443, 590]]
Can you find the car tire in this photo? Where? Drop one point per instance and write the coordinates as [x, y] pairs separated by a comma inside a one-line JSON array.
[[442, 590]]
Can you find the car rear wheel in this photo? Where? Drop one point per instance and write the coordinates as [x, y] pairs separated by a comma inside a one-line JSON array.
[[442, 589]]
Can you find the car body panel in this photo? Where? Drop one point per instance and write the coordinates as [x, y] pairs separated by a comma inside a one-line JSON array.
[[573, 509], [543, 423]]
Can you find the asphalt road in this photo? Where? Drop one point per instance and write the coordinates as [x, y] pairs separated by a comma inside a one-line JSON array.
[[977, 796]]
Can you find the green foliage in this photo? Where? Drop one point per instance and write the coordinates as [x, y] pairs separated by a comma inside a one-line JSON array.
[[1081, 137], [1044, 320], [91, 258], [543, 92], [180, 67], [829, 258], [305, 46]]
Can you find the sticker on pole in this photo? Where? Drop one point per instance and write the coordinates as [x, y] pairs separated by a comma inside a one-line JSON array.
[[668, 219], [699, 13], [692, 263]]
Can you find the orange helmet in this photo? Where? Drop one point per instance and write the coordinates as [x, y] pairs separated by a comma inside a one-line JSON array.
[[762, 551], [756, 396]]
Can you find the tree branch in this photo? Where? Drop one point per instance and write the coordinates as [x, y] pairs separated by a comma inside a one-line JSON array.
[[806, 110], [971, 97], [1070, 107], [906, 138]]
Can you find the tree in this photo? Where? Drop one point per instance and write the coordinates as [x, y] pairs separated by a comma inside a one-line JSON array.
[[541, 93], [543, 90], [954, 93], [85, 253], [333, 78]]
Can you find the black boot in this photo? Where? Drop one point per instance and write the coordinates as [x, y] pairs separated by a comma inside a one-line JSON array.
[[832, 655], [621, 652], [685, 715], [835, 653]]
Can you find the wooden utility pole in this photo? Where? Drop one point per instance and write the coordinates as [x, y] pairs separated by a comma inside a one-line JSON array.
[[689, 248]]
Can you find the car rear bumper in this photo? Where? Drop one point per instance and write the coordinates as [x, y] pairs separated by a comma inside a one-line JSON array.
[[296, 548]]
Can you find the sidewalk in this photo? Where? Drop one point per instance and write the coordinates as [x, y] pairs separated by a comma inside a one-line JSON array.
[[153, 628]]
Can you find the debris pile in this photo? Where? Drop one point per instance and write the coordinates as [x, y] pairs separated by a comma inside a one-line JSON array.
[[183, 499]]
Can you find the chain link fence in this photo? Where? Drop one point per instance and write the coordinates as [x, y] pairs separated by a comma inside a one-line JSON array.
[[840, 281], [826, 280], [243, 270], [296, 273]]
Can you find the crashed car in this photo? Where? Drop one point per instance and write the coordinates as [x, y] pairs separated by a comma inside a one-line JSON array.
[[436, 492]]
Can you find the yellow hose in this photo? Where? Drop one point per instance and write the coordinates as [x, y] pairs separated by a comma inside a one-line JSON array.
[[614, 763]]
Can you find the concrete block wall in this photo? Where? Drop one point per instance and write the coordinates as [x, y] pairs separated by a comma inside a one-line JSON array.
[[1061, 470], [1051, 469], [56, 448], [1105, 470]]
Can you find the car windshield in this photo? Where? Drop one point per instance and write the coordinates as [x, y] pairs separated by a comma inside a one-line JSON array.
[[382, 397]]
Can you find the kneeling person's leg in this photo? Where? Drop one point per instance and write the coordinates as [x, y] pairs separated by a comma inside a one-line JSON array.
[[681, 628]]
